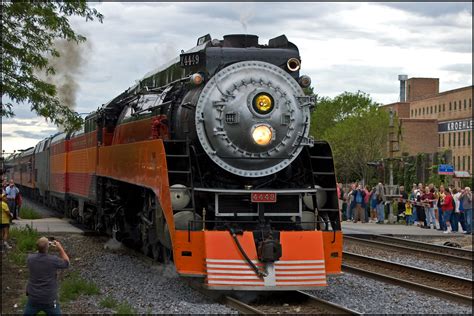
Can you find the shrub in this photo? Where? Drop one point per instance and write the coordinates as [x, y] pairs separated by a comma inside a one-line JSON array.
[[124, 309]]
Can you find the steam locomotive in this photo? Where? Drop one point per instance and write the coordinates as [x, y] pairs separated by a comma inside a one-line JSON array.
[[207, 161]]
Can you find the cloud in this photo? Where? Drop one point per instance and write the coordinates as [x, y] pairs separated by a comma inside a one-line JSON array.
[[431, 9], [344, 46]]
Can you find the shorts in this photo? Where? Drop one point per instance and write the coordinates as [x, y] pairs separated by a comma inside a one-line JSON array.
[[4, 226], [447, 215]]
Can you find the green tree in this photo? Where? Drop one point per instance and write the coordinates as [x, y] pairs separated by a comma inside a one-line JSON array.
[[29, 30], [357, 130]]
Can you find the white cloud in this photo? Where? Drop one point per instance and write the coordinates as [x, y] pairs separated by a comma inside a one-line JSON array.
[[344, 46]]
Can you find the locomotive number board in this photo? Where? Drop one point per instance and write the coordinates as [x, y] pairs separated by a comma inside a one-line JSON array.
[[264, 197], [190, 59]]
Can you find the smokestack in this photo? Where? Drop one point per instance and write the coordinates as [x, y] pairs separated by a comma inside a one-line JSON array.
[[403, 80]]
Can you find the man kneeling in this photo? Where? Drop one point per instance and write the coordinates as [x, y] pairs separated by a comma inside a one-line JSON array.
[[42, 288]]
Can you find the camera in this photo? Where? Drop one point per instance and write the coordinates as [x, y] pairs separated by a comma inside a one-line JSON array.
[[52, 241]]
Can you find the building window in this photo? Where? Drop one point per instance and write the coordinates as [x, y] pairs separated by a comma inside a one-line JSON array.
[[431, 110], [469, 163], [444, 108], [419, 111], [443, 139], [454, 162], [464, 138], [450, 107], [459, 104], [454, 139], [439, 107], [470, 104], [469, 138], [449, 139], [465, 104], [459, 139], [435, 108], [463, 162], [423, 111], [439, 140], [459, 162], [454, 105]]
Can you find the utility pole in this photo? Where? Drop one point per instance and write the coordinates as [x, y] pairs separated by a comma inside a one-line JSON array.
[[391, 140]]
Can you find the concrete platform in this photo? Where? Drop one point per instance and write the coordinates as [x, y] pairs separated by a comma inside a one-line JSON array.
[[49, 225], [390, 229]]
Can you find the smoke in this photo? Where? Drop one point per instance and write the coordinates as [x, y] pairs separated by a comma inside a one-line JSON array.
[[68, 66], [245, 17], [246, 13]]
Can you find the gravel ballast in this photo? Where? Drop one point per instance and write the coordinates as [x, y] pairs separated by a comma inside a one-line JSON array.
[[146, 286], [374, 297], [420, 261]]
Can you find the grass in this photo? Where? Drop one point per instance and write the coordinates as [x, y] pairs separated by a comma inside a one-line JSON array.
[[25, 242], [25, 238], [124, 309], [27, 212], [120, 309], [73, 286], [108, 302]]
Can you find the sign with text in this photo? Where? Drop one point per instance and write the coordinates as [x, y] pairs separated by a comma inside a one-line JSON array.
[[446, 169], [264, 197], [454, 126]]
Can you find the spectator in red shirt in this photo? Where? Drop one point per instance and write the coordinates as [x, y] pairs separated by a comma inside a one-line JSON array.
[[447, 208]]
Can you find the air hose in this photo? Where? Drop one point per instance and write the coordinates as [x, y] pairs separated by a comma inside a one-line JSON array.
[[259, 272]]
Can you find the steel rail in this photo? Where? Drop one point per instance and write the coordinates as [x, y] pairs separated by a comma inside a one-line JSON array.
[[307, 303], [451, 283], [463, 299], [240, 306], [389, 243], [458, 252], [332, 308]]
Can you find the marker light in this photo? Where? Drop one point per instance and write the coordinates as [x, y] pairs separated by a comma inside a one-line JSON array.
[[304, 81], [293, 64], [262, 134], [263, 103], [197, 79]]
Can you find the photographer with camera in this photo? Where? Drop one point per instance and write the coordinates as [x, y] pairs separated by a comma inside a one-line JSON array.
[[42, 288]]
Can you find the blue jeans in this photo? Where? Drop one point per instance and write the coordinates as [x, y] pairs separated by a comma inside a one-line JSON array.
[[442, 222], [430, 216], [455, 221], [381, 212], [408, 220], [468, 220], [447, 216], [349, 211], [48, 309]]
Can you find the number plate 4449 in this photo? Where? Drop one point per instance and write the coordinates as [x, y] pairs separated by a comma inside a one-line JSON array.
[[264, 197]]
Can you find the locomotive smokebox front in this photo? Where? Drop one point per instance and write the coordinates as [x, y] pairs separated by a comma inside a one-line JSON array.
[[252, 118]]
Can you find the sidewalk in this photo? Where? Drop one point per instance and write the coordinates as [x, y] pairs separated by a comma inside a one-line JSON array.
[[48, 225], [391, 229]]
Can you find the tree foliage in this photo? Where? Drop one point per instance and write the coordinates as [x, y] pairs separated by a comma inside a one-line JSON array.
[[29, 30], [357, 130]]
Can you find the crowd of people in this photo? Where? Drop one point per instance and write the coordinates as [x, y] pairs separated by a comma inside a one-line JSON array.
[[445, 209]]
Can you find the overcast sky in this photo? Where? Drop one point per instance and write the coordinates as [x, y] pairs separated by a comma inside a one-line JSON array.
[[343, 46]]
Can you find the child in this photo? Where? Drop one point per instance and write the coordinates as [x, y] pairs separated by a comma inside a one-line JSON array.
[[5, 224], [408, 213]]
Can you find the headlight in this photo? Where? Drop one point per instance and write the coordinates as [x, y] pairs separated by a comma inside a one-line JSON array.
[[262, 134], [263, 103]]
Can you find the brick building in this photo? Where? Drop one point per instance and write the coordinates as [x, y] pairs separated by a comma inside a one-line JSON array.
[[431, 121]]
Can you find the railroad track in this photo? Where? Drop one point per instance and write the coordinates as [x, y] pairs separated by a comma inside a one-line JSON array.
[[294, 302], [462, 255], [279, 302], [456, 255], [436, 283]]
